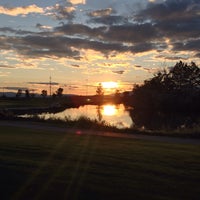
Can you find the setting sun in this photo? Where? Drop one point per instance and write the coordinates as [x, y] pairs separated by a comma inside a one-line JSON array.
[[109, 85]]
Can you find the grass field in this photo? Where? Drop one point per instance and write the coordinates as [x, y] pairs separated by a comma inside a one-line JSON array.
[[26, 102], [48, 165]]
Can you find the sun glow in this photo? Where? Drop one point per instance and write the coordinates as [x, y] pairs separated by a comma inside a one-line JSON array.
[[109, 85], [109, 110]]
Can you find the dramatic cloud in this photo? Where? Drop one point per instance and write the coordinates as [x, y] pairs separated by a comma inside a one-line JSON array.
[[190, 45], [43, 27], [171, 10], [109, 20], [21, 10], [106, 16], [170, 26], [100, 13], [132, 33], [121, 33], [176, 19], [14, 31], [118, 72], [77, 1], [61, 12], [175, 58], [76, 29]]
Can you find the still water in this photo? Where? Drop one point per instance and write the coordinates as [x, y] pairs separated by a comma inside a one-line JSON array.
[[113, 114]]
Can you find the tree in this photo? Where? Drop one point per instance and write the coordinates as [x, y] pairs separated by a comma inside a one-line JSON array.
[[174, 92], [19, 93], [183, 76], [99, 91], [44, 93], [117, 96], [99, 94], [27, 93], [180, 77], [59, 92]]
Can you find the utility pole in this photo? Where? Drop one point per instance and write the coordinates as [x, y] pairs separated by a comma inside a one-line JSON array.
[[50, 86]]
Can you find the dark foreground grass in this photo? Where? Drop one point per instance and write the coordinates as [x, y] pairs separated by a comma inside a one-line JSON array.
[[49, 165]]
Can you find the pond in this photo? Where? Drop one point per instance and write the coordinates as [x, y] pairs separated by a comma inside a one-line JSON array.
[[113, 114]]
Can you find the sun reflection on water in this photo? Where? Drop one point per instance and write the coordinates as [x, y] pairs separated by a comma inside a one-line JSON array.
[[109, 110]]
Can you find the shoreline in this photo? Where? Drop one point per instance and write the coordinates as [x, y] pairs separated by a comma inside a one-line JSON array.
[[133, 134]]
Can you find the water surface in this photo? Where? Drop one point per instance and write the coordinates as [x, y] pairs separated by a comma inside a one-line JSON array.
[[113, 114]]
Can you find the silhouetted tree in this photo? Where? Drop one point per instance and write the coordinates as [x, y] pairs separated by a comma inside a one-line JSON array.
[[99, 91], [59, 92], [19, 93], [117, 97], [27, 93], [168, 92], [44, 93], [53, 95], [181, 77]]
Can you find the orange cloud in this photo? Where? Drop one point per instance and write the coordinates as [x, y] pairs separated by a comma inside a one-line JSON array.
[[20, 10], [77, 1]]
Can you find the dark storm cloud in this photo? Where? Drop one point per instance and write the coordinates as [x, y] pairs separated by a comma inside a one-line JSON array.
[[14, 31], [76, 29], [180, 29], [172, 57], [109, 20], [6, 42], [176, 19], [38, 46], [190, 45], [7, 29], [134, 33], [170, 9], [142, 47]]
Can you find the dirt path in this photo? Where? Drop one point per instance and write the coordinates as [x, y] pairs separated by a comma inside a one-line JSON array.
[[48, 127]]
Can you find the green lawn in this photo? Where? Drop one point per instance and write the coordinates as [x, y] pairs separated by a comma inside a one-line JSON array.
[[49, 165], [24, 102]]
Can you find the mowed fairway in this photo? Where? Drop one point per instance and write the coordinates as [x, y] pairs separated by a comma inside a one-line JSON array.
[[47, 165]]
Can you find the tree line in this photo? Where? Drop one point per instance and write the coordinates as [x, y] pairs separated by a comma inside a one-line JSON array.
[[171, 95], [44, 93]]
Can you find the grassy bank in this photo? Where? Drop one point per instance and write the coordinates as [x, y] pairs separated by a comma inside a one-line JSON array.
[[84, 122], [48, 165]]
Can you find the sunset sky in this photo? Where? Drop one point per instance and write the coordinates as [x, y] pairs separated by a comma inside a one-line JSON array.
[[80, 43]]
